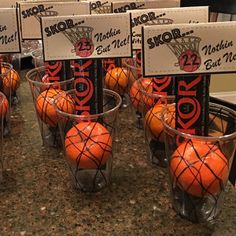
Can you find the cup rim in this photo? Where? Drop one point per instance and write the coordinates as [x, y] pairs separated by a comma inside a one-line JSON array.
[[3, 98], [153, 95], [198, 137], [36, 50], [132, 67], [8, 66], [74, 116], [43, 68]]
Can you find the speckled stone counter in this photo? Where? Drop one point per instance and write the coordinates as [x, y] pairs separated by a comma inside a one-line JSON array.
[[37, 197]]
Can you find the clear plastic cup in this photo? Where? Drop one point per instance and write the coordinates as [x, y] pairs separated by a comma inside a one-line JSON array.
[[117, 79], [6, 79], [199, 166], [44, 93], [150, 105], [4, 114], [134, 68], [15, 61], [37, 56], [89, 142], [8, 83]]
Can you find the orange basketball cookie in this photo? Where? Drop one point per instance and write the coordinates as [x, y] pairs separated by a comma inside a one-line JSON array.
[[117, 79], [139, 98], [88, 145], [11, 80], [46, 109], [4, 105], [199, 168], [153, 120]]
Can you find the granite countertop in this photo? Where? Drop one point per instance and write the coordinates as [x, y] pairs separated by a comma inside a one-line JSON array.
[[37, 198]]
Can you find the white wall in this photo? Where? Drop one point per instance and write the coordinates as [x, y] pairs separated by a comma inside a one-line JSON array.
[[222, 83]]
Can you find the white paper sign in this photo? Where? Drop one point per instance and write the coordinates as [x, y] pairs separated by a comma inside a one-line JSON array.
[[164, 16], [31, 12], [9, 33], [7, 3], [94, 36], [50, 0], [13, 3], [100, 7], [162, 3], [123, 6], [184, 49]]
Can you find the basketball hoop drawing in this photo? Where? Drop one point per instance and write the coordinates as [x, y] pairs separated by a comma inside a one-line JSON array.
[[186, 49], [81, 39], [45, 14], [160, 21], [103, 10]]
